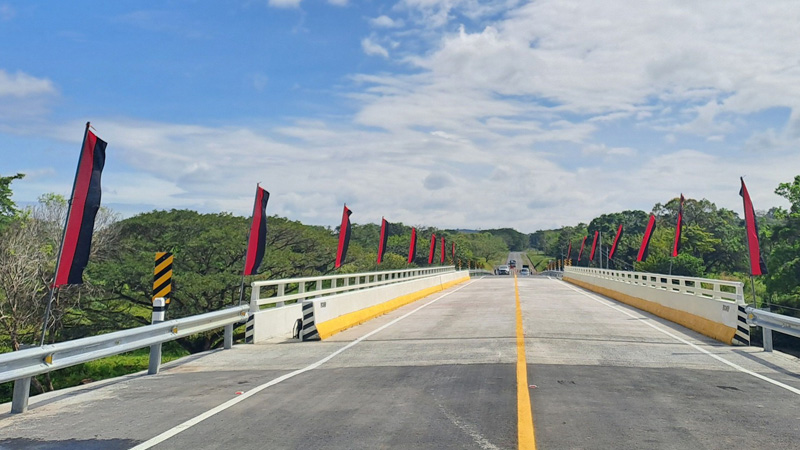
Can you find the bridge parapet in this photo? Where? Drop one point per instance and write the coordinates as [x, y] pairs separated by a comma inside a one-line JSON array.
[[274, 315], [714, 308]]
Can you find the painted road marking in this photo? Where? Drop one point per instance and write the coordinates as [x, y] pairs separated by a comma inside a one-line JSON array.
[[525, 434], [690, 344], [240, 398]]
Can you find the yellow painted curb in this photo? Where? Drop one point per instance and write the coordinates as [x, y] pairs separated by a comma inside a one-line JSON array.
[[330, 327], [718, 331]]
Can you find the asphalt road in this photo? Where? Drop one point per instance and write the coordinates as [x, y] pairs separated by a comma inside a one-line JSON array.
[[440, 373]]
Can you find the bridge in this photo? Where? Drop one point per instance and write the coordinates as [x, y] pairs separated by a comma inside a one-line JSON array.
[[493, 362]]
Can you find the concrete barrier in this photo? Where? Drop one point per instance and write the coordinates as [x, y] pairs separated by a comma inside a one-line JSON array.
[[334, 313], [339, 312], [710, 307]]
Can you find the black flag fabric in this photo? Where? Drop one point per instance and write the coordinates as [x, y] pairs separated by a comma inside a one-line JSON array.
[[412, 246], [344, 237], [757, 266], [676, 246], [648, 233], [616, 241], [384, 240], [82, 210], [257, 238]]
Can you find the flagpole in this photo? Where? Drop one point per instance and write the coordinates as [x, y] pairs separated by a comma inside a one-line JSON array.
[[53, 286], [753, 285]]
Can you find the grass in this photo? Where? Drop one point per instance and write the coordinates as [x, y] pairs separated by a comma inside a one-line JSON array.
[[539, 260]]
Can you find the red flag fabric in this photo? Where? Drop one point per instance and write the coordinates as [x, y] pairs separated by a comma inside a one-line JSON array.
[[583, 244], [676, 246], [594, 246], [616, 241], [569, 250], [433, 249], [412, 246], [444, 251], [384, 239], [344, 237], [82, 210], [648, 233], [757, 266], [453, 251], [257, 238]]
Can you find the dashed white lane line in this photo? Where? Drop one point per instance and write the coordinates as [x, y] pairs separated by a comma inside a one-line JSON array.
[[238, 399], [690, 344]]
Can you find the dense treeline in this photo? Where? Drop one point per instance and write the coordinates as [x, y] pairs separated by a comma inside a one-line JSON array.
[[209, 256], [713, 244]]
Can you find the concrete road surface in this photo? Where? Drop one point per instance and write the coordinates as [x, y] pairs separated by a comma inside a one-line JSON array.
[[440, 373]]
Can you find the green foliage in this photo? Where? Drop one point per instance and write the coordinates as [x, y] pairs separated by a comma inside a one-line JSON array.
[[783, 239], [8, 209], [514, 240]]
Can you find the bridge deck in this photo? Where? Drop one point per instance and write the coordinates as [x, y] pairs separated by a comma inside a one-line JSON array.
[[440, 373]]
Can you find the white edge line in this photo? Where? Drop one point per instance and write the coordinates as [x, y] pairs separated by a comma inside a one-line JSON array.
[[694, 346], [213, 411]]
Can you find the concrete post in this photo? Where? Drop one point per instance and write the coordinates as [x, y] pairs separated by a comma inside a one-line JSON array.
[[155, 349], [767, 337]]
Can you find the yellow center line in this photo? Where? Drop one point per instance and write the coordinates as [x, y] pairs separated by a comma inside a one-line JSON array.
[[525, 435]]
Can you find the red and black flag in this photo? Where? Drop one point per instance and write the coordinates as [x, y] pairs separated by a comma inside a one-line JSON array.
[[344, 237], [757, 266], [384, 239], [433, 249], [569, 250], [594, 246], [412, 246], [453, 251], [257, 238], [444, 251], [676, 247], [82, 210], [583, 244], [648, 233], [616, 241]]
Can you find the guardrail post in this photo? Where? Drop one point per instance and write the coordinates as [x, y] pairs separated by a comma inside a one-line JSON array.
[[767, 338], [319, 286], [155, 349], [281, 292], [228, 336], [22, 391]]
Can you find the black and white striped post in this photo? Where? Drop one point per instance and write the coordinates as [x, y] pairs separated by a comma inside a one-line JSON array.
[[159, 311]]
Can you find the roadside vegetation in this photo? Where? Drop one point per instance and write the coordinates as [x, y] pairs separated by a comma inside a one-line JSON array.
[[209, 250]]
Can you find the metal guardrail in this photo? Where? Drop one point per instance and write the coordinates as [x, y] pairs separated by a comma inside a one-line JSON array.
[[479, 272], [299, 289], [702, 287], [769, 322], [23, 364]]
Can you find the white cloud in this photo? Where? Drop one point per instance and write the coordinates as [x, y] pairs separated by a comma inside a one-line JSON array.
[[386, 22], [284, 3], [373, 49], [23, 85], [339, 2]]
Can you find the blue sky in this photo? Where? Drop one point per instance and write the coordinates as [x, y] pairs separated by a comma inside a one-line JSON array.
[[448, 113]]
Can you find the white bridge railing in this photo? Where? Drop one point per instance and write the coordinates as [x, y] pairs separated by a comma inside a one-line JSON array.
[[702, 287], [279, 292]]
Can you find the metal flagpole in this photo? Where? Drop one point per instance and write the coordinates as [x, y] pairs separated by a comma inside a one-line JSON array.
[[53, 286]]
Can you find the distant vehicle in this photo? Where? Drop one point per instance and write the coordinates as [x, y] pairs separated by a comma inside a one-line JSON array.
[[524, 272], [503, 270], [512, 263]]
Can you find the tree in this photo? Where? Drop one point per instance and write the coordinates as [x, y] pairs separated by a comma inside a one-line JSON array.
[[783, 263], [8, 209]]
